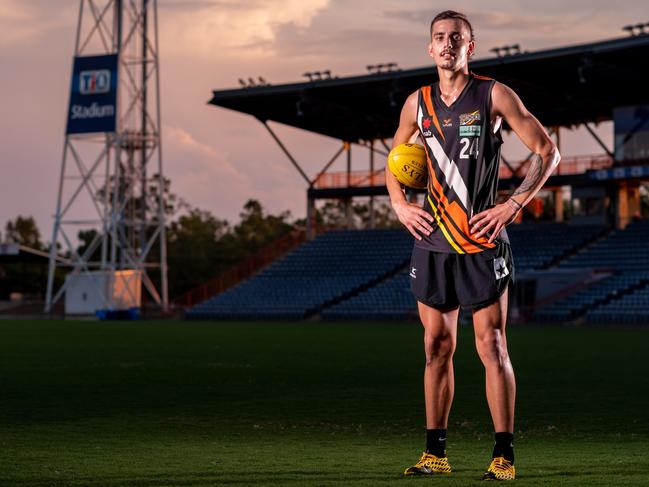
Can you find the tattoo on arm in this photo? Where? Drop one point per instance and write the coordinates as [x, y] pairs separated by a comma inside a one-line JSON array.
[[534, 175]]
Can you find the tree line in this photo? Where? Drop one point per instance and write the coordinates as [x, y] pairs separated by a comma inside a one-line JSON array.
[[200, 246]]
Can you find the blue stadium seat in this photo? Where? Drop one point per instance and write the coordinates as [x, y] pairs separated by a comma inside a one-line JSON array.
[[625, 254], [320, 272], [363, 274]]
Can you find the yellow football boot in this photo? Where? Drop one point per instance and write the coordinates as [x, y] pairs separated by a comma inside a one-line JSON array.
[[429, 464], [500, 469]]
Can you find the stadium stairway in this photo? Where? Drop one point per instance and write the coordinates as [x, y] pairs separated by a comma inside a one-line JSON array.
[[592, 296], [244, 270], [317, 274], [625, 256], [543, 245], [389, 300], [630, 308]]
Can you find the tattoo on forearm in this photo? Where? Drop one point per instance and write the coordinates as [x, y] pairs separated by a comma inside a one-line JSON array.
[[534, 175]]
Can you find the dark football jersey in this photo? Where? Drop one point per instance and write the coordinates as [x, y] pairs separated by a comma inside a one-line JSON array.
[[463, 155]]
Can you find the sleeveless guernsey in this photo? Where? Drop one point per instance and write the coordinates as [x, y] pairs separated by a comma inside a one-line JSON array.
[[463, 157]]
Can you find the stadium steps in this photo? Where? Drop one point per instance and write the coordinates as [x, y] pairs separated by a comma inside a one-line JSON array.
[[598, 294], [623, 252], [314, 276], [244, 270], [629, 308], [538, 245], [390, 299], [581, 247], [317, 311]]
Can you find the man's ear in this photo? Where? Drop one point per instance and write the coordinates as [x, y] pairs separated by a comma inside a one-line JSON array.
[[471, 50], [430, 49]]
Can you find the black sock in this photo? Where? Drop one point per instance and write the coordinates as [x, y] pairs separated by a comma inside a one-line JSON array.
[[436, 442], [504, 446]]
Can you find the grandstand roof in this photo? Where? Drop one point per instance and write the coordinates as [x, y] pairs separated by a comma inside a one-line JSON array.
[[565, 86], [14, 253]]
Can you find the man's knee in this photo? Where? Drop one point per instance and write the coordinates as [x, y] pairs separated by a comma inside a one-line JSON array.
[[439, 348], [492, 348]]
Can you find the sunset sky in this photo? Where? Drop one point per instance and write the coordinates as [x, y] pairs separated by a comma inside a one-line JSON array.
[[215, 158]]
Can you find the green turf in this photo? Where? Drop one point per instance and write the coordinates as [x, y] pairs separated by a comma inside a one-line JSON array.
[[202, 404]]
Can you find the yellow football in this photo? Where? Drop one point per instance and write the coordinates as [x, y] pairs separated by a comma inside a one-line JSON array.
[[408, 164]]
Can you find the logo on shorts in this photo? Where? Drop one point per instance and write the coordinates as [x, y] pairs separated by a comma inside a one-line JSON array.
[[500, 268], [413, 272]]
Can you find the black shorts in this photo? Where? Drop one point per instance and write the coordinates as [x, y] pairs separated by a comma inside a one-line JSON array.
[[446, 281]]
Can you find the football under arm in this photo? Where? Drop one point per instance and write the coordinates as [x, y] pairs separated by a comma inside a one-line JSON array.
[[406, 132], [545, 153]]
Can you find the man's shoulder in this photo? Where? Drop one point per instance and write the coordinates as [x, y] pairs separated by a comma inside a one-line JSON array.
[[480, 77], [429, 86], [502, 94]]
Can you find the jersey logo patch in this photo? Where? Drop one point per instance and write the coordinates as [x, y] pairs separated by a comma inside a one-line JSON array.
[[500, 268], [447, 122], [470, 118], [426, 122], [470, 130]]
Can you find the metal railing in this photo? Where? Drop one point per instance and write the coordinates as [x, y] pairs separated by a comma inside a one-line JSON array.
[[568, 165]]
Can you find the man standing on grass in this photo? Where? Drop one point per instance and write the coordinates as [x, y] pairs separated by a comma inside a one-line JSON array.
[[461, 255]]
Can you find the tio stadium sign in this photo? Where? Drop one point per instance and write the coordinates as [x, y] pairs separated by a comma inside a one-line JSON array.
[[93, 95]]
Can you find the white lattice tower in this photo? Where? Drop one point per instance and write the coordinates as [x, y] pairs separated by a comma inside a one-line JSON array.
[[113, 182]]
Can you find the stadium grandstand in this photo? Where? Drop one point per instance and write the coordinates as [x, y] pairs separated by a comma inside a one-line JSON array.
[[588, 262]]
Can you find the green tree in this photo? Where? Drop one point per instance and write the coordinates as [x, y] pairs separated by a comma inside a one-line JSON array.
[[23, 231], [29, 274], [332, 214], [194, 250], [257, 229]]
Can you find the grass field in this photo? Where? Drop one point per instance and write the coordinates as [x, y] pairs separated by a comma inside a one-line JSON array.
[[203, 404]]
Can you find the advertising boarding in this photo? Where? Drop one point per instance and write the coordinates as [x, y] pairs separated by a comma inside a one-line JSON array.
[[93, 97]]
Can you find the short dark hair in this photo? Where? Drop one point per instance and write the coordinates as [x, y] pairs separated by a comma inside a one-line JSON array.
[[452, 14]]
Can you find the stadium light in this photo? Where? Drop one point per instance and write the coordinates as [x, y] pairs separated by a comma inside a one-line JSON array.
[[637, 29], [510, 50], [382, 68], [318, 75]]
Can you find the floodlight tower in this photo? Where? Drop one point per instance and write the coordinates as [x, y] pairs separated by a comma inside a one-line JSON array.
[[111, 177]]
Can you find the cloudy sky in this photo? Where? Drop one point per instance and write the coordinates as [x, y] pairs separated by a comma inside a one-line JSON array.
[[216, 158]]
